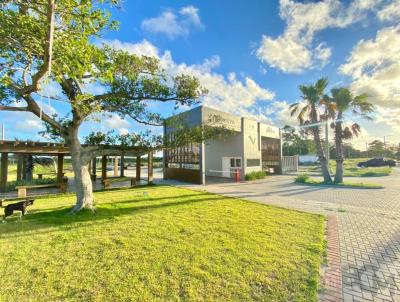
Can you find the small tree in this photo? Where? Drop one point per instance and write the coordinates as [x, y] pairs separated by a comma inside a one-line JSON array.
[[308, 113], [376, 148], [44, 40], [295, 143]]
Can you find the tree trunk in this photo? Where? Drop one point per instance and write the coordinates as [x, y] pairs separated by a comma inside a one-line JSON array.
[[339, 150], [320, 151], [321, 156], [83, 182]]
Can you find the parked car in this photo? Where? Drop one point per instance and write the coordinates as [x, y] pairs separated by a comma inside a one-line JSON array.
[[377, 162]]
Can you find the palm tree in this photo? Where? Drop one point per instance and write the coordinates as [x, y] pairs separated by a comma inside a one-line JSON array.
[[343, 101], [308, 113]]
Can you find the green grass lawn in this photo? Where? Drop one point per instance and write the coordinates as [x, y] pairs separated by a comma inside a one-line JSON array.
[[351, 169], [307, 180], [161, 244]]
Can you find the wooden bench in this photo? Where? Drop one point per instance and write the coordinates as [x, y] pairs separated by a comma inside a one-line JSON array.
[[108, 181], [22, 190], [40, 175]]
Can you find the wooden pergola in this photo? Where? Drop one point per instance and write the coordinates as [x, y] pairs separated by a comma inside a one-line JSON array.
[[60, 150]]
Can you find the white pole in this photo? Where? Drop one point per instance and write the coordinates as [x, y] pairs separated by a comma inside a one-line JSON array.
[[3, 131], [327, 142]]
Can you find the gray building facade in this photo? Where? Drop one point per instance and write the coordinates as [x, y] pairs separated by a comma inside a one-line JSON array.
[[252, 146]]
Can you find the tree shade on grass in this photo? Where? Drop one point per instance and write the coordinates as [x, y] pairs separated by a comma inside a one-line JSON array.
[[161, 244]]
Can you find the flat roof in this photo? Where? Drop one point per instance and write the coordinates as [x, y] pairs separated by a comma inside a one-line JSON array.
[[223, 112]]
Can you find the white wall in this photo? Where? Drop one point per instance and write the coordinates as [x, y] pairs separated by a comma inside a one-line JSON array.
[[251, 145], [217, 149]]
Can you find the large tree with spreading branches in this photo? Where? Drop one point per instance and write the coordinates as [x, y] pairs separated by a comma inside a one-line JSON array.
[[49, 41]]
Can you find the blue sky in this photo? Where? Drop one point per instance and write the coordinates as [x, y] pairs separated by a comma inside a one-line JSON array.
[[253, 55]]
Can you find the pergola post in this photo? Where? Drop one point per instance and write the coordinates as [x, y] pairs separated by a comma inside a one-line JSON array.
[[150, 168], [94, 169], [19, 166], [23, 158], [104, 167], [115, 165], [60, 168], [90, 166], [122, 166], [138, 162], [3, 172]]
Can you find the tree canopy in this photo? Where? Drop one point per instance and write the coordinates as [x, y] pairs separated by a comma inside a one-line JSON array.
[[47, 42], [60, 43]]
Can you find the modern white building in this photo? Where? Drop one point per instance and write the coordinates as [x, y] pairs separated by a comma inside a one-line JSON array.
[[253, 146]]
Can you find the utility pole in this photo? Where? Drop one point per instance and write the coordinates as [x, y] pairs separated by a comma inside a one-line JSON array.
[[384, 146], [327, 142], [3, 131]]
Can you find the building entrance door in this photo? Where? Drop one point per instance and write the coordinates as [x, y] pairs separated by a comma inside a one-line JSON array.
[[226, 167]]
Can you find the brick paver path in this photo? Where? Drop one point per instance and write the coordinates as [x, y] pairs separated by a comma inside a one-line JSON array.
[[368, 227]]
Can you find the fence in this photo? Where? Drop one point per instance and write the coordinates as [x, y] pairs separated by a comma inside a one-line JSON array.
[[290, 164]]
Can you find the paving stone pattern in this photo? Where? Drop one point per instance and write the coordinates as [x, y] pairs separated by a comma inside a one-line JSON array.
[[368, 227]]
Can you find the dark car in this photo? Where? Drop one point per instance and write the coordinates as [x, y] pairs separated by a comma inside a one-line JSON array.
[[377, 162]]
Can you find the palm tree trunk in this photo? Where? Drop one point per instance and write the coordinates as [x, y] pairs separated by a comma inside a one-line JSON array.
[[321, 155], [318, 145], [339, 149]]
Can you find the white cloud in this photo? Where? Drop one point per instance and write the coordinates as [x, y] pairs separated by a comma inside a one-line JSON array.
[[174, 24], [225, 93], [295, 51], [192, 15], [114, 121], [28, 124], [390, 12], [374, 66], [391, 118], [123, 131], [144, 48]]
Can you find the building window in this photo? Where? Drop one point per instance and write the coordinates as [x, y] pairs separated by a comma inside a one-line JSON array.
[[236, 162], [253, 162]]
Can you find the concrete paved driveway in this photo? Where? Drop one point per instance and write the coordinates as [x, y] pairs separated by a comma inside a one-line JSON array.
[[368, 227]]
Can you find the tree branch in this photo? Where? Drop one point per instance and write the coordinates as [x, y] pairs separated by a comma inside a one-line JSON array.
[[144, 122], [35, 109], [48, 52], [109, 95], [9, 108]]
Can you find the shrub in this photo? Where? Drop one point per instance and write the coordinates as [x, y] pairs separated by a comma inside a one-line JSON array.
[[255, 175], [302, 178]]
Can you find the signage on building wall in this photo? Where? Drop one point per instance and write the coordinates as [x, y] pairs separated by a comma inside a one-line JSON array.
[[221, 119], [269, 131]]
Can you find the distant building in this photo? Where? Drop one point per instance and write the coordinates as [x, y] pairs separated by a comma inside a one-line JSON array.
[[254, 146]]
